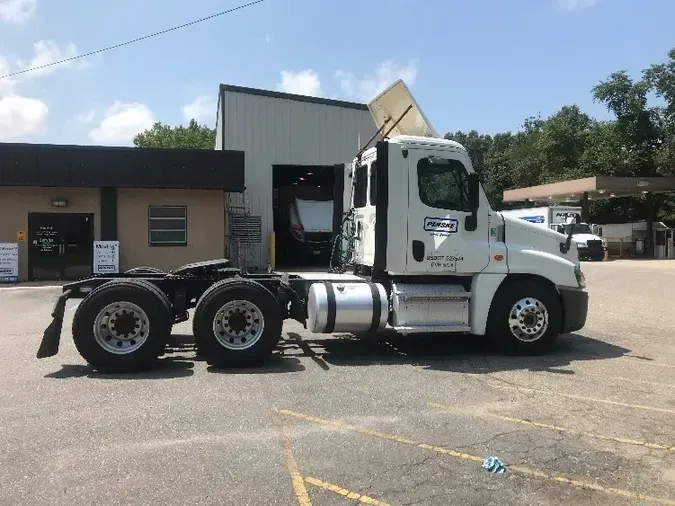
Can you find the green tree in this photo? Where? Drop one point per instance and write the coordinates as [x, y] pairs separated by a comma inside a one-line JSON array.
[[661, 78], [640, 132], [192, 136], [564, 139]]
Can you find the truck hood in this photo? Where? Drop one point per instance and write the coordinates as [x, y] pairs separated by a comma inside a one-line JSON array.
[[582, 239], [522, 235]]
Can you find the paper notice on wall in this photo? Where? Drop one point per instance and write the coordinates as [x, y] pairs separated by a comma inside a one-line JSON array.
[[9, 262], [106, 257]]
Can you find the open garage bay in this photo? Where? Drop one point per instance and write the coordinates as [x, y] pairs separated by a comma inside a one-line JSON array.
[[335, 420]]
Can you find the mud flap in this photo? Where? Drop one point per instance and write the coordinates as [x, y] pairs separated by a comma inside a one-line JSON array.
[[52, 335]]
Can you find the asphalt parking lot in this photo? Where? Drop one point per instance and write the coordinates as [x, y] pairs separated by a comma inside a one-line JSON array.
[[334, 421]]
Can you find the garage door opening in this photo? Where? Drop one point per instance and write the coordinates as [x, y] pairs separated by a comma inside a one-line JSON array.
[[303, 214]]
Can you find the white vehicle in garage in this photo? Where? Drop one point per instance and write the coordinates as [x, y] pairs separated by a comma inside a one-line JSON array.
[[311, 224], [589, 245], [421, 252]]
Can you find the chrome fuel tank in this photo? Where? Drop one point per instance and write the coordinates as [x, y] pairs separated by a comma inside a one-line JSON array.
[[346, 307]]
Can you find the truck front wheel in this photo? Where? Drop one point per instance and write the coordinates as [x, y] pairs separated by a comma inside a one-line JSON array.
[[526, 317], [237, 322]]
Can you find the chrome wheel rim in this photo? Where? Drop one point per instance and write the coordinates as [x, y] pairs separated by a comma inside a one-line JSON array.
[[528, 319], [121, 328], [238, 325]]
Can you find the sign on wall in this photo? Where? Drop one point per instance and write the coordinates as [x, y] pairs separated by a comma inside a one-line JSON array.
[[9, 262], [106, 257]]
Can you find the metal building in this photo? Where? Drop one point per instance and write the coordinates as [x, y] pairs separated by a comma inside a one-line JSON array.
[[277, 131]]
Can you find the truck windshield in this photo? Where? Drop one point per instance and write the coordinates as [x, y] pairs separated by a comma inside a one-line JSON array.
[[580, 228]]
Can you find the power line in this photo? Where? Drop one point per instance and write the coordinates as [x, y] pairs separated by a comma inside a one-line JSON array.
[[109, 48]]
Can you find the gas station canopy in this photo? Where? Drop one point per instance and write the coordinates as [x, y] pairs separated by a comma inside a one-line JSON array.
[[592, 188]]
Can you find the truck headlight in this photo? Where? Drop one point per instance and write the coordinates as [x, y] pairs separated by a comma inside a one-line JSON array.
[[581, 279]]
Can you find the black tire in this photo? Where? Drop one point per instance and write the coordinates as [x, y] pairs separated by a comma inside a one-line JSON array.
[[511, 292], [143, 294], [215, 298]]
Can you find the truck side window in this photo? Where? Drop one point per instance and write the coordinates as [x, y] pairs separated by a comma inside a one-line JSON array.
[[443, 183], [360, 186], [372, 198]]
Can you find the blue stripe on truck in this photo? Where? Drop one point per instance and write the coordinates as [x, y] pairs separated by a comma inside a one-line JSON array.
[[533, 219]]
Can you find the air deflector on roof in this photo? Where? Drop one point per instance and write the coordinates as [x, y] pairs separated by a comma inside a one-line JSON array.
[[391, 105]]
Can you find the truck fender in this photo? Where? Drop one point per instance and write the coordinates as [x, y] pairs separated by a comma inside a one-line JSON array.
[[487, 285], [483, 289]]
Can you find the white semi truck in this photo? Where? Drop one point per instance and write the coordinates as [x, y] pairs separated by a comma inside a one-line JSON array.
[[421, 252], [589, 245]]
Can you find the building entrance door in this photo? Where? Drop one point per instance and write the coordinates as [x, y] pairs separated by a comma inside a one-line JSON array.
[[60, 246]]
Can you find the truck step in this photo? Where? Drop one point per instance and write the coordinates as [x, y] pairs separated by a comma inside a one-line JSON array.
[[433, 329]]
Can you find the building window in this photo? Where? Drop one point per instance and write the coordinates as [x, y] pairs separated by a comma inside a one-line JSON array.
[[443, 184], [167, 225]]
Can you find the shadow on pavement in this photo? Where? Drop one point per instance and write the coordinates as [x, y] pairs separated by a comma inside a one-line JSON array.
[[470, 354], [466, 354], [275, 365], [166, 368], [185, 343]]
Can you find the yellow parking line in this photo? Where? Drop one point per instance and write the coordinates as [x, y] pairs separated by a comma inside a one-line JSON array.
[[466, 456], [296, 478], [629, 380], [343, 491], [381, 435], [581, 398], [455, 409]]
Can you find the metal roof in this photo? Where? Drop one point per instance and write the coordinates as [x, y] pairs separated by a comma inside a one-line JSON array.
[[597, 187], [291, 96]]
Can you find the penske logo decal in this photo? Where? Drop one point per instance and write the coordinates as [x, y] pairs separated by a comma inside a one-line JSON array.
[[441, 225]]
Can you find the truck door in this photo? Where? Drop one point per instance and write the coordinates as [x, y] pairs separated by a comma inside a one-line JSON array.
[[365, 174], [440, 241]]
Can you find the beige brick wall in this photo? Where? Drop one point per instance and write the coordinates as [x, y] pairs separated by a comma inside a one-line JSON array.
[[205, 227]]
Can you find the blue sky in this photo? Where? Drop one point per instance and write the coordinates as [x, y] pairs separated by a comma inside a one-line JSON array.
[[478, 64]]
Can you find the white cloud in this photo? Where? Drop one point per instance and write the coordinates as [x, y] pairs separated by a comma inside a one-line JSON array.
[[86, 117], [121, 122], [367, 87], [571, 5], [268, 38], [203, 109], [46, 52], [8, 84], [22, 117], [17, 11], [303, 82]]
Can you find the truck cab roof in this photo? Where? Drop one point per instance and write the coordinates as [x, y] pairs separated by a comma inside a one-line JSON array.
[[426, 142]]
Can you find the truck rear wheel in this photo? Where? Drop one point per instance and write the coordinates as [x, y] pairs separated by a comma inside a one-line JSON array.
[[123, 325], [526, 317], [237, 322]]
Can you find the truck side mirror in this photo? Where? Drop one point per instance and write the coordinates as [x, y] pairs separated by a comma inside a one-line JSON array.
[[473, 191]]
